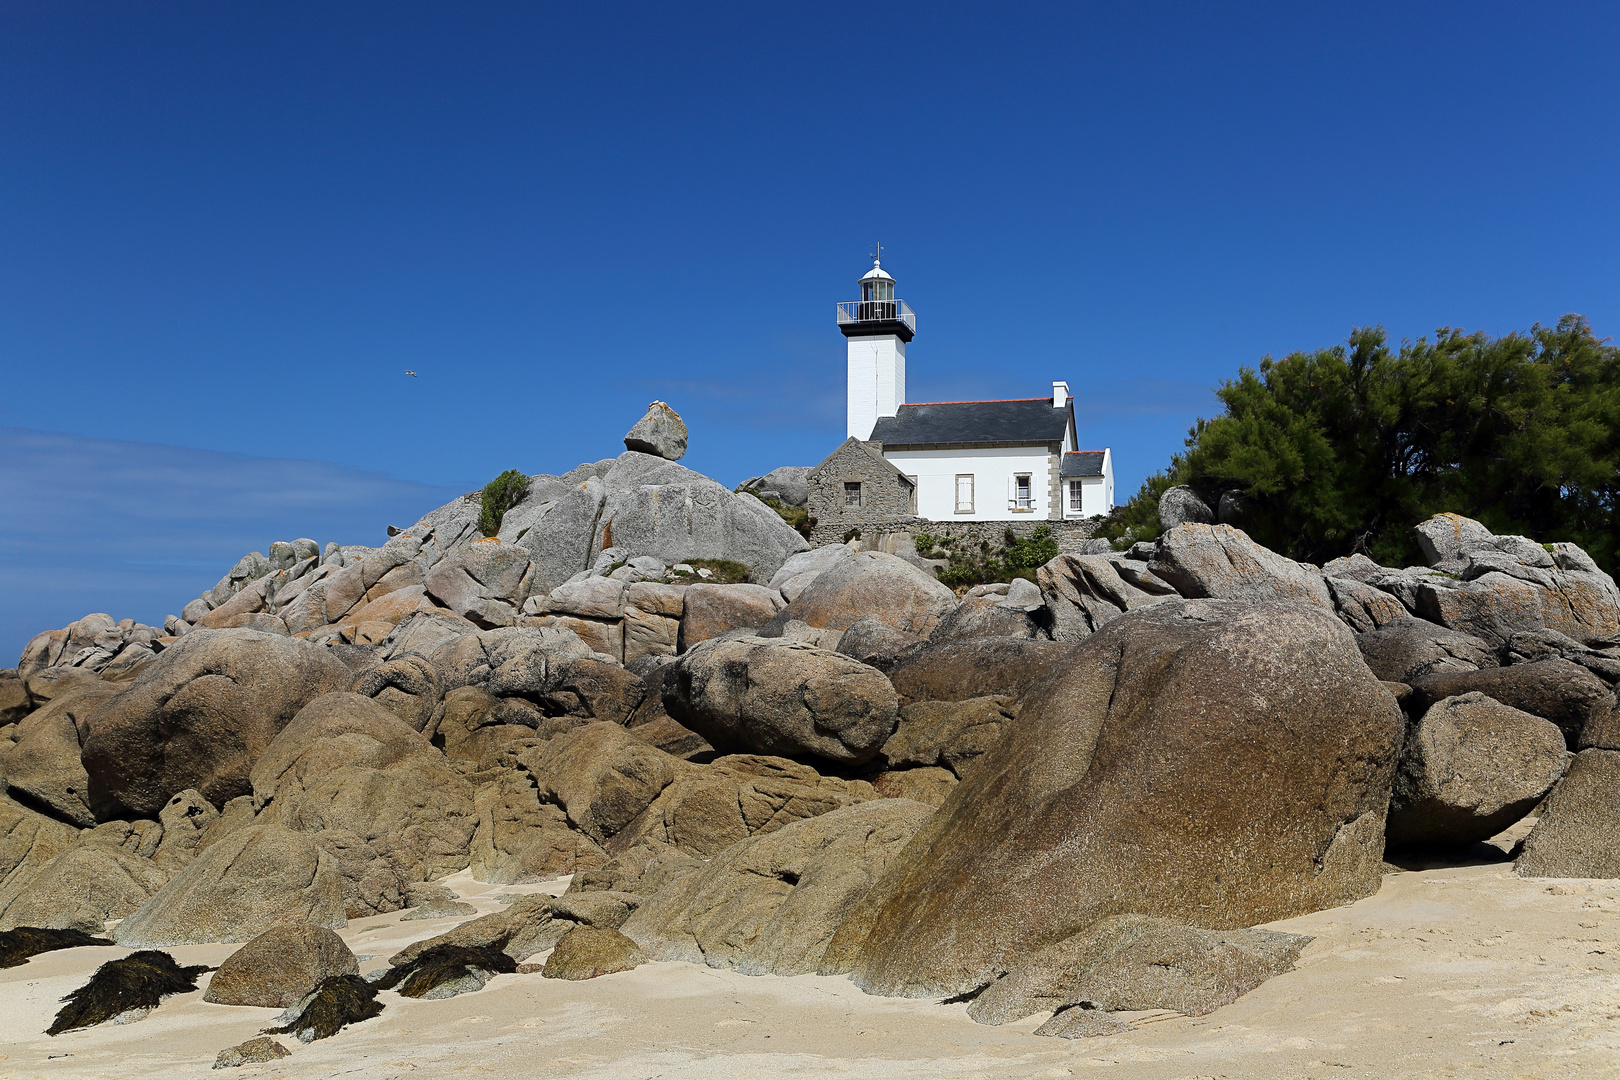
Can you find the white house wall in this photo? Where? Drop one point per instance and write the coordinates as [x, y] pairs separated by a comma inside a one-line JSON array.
[[1096, 492], [992, 470]]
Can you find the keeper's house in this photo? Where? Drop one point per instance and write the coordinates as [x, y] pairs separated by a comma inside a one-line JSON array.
[[1008, 460]]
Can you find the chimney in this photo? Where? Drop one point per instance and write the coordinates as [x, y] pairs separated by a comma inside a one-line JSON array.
[[1060, 394]]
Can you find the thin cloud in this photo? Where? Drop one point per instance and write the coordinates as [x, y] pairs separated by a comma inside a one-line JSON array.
[[137, 529]]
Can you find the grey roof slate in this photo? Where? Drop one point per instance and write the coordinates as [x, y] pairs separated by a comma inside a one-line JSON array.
[[1019, 422], [1077, 463]]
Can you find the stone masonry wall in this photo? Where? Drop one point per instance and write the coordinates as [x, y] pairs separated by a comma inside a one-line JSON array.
[[1069, 534]]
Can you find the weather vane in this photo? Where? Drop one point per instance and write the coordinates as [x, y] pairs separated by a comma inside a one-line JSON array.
[[877, 253]]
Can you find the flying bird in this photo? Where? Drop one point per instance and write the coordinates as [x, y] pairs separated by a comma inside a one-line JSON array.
[[411, 373]]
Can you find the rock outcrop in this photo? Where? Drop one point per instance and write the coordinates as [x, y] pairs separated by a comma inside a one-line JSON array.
[[1103, 799], [279, 967], [1578, 833], [872, 584], [237, 889], [345, 762], [760, 695], [199, 717], [1127, 963], [770, 904], [1470, 768]]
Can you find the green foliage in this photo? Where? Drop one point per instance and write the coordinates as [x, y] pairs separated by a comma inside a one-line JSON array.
[[721, 571], [926, 544], [1345, 449], [796, 516], [851, 534], [1038, 549], [1138, 519], [499, 496], [983, 563]]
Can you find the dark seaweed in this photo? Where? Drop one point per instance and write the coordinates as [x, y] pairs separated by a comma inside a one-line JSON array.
[[338, 1002], [138, 981], [444, 963], [16, 946]]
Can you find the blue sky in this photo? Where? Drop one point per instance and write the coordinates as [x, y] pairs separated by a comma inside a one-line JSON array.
[[227, 230]]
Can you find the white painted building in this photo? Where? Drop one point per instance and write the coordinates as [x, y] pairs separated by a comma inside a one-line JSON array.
[[998, 460]]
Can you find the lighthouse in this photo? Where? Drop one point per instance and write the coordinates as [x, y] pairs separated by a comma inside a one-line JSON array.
[[876, 328]]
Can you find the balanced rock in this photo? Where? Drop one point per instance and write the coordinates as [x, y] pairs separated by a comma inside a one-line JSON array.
[[279, 967], [199, 717], [661, 432], [770, 904], [237, 889], [767, 696], [1470, 768], [1127, 785]]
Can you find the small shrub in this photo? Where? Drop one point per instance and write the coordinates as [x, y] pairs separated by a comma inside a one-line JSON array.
[[1016, 558], [499, 496], [852, 534], [926, 543], [1038, 549], [796, 516]]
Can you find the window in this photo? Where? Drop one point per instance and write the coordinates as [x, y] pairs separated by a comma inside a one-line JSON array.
[[1076, 499], [911, 496], [1022, 497], [964, 493], [852, 493]]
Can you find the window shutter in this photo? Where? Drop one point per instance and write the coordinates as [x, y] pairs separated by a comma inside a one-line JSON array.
[[1012, 492]]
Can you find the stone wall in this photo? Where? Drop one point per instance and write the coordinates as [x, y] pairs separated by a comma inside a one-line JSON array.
[[875, 532], [885, 494]]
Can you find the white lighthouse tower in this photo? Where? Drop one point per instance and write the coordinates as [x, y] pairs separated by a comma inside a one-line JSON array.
[[877, 327]]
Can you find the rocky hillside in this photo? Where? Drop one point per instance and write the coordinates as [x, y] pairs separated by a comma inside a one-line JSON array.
[[1073, 797]]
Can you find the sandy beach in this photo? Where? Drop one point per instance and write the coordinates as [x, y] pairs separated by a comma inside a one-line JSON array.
[[1462, 971]]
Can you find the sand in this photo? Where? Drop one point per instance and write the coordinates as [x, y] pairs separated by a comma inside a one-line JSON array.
[[1454, 971]]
